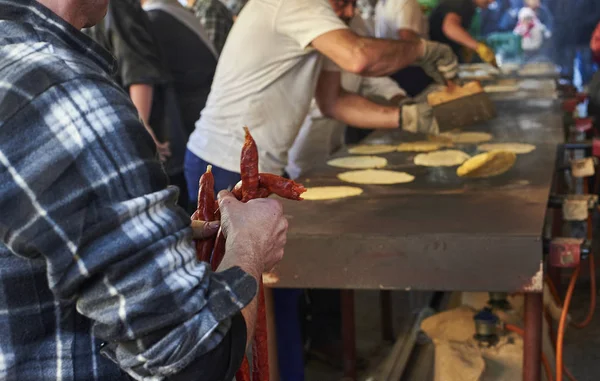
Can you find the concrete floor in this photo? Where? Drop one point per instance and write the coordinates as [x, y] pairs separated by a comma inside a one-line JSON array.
[[370, 346], [582, 347]]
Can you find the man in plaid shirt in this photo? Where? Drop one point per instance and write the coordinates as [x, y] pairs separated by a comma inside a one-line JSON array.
[[216, 19], [95, 256]]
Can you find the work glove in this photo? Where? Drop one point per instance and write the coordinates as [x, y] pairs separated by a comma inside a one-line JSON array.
[[438, 61], [487, 54], [418, 117]]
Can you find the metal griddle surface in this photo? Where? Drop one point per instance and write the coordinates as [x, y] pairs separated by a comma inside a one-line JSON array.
[[440, 232]]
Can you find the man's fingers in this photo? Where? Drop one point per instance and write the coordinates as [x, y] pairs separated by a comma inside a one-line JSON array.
[[204, 230]]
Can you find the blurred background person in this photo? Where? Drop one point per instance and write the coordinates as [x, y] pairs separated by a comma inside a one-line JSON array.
[[126, 32]]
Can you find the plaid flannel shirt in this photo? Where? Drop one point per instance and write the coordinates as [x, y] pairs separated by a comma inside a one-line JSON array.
[[94, 254], [216, 19]]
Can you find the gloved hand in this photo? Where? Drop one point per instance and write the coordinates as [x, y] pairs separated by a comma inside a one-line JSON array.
[[487, 54], [438, 61], [418, 117]]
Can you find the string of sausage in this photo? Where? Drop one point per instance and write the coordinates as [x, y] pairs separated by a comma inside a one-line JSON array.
[[205, 212], [253, 185]]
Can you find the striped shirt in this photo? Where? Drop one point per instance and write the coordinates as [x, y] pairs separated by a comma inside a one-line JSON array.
[[95, 256]]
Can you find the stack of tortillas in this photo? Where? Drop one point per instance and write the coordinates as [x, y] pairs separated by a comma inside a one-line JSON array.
[[358, 162], [518, 148], [331, 193], [463, 137], [423, 146], [372, 149], [448, 158], [376, 177], [487, 164]]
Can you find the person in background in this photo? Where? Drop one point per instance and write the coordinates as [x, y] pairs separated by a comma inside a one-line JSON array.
[[366, 10], [189, 55], [126, 32], [533, 33], [595, 44], [98, 272], [449, 23], [404, 20], [572, 38], [216, 19], [542, 12], [235, 6]]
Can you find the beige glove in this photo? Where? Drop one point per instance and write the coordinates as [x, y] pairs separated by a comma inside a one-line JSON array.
[[438, 61], [487, 54], [418, 117]]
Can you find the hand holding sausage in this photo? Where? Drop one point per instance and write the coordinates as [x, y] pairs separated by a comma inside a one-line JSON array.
[[255, 231], [202, 230]]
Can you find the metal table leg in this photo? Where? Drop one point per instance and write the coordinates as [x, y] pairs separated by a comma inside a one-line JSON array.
[[387, 321], [532, 351], [348, 335]]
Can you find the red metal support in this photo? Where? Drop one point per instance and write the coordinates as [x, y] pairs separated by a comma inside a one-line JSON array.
[[532, 351]]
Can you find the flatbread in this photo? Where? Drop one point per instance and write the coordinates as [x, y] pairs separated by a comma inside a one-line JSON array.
[[464, 137], [330, 193], [423, 146], [358, 162], [448, 158], [501, 88], [376, 176], [372, 149], [487, 164], [518, 148]]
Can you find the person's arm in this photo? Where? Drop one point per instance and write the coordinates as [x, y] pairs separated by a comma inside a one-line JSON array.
[[408, 35], [352, 109], [98, 210], [367, 56], [141, 95], [454, 30], [383, 87]]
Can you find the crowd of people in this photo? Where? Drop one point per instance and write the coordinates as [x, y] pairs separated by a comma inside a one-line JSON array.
[[111, 111]]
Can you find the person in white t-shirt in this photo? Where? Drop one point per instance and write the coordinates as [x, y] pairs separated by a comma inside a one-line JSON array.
[[319, 135], [269, 71], [400, 19], [404, 20]]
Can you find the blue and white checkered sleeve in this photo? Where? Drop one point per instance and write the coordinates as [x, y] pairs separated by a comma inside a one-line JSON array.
[[81, 187]]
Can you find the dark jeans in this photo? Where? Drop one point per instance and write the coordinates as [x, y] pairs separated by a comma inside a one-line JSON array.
[[287, 315], [194, 168]]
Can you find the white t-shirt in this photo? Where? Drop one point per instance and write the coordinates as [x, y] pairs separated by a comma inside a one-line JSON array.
[[392, 15], [265, 79]]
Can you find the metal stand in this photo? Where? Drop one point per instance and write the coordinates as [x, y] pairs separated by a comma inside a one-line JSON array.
[[387, 321], [532, 351], [348, 335]]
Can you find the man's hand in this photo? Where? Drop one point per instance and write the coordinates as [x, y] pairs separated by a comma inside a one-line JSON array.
[[164, 150], [256, 232], [487, 54], [438, 61], [204, 229], [418, 118]]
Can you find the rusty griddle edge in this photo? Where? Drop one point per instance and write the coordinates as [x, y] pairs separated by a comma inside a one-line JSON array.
[[436, 263]]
